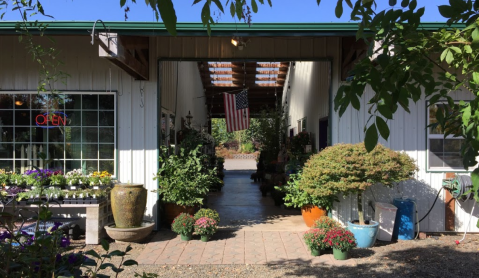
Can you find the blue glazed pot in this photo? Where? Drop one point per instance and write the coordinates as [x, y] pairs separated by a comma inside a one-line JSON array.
[[365, 234]]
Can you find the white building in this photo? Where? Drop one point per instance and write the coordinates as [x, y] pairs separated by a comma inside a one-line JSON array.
[[123, 104]]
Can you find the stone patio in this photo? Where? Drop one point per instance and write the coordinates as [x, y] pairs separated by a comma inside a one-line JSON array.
[[252, 231], [234, 247]]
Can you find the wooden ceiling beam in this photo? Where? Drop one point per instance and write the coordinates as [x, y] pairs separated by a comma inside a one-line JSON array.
[[113, 48], [239, 78], [232, 72], [230, 85]]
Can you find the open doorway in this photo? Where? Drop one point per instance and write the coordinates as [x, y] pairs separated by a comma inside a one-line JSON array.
[[323, 133], [299, 88]]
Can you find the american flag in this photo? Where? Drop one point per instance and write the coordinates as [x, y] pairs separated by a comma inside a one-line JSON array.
[[236, 111]]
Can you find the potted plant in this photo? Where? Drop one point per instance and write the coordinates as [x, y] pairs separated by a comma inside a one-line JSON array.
[[210, 213], [206, 227], [54, 194], [57, 179], [342, 241], [350, 169], [312, 206], [73, 178], [4, 177], [17, 179], [36, 178], [183, 181], [183, 225], [326, 223], [314, 239]]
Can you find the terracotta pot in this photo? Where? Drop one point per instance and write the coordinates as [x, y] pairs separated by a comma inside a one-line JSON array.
[[311, 213], [173, 210], [128, 203]]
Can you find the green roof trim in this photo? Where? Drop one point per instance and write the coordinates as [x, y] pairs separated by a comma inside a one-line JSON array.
[[197, 29]]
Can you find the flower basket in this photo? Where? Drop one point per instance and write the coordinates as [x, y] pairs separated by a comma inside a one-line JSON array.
[[326, 223], [206, 227], [183, 225], [341, 240], [314, 239]]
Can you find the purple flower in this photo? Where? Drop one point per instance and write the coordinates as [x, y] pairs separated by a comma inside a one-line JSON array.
[[58, 258], [55, 226], [72, 258], [5, 235], [65, 242]]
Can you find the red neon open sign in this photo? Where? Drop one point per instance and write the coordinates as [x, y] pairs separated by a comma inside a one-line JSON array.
[[54, 118]]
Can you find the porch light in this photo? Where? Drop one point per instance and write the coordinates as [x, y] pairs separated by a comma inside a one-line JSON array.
[[18, 103], [235, 41]]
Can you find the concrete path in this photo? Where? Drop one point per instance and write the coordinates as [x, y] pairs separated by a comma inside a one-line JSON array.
[[240, 164], [241, 207], [252, 231]]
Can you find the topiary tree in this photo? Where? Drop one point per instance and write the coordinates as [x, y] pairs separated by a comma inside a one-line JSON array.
[[351, 169]]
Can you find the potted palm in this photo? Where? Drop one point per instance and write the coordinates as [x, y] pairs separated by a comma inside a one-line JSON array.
[[350, 169], [183, 181], [312, 206]]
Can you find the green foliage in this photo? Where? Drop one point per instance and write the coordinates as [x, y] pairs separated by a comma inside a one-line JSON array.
[[272, 123], [4, 177], [340, 238], [183, 224], [247, 147], [219, 131], [297, 197], [314, 239], [326, 223], [206, 226], [183, 178], [210, 213], [351, 169]]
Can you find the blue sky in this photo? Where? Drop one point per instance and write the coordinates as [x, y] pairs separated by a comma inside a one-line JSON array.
[[282, 11]]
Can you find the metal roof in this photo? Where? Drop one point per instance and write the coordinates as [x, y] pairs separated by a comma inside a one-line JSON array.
[[197, 29]]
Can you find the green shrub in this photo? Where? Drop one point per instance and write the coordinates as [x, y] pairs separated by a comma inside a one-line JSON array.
[[210, 213], [247, 147], [350, 169], [183, 179], [297, 197]]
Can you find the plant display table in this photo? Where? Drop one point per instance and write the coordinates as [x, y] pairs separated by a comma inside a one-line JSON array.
[[97, 216]]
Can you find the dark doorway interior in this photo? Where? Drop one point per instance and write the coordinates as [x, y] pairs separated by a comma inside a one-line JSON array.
[[323, 133]]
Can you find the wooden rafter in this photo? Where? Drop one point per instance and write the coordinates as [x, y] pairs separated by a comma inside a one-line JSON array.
[[130, 53]]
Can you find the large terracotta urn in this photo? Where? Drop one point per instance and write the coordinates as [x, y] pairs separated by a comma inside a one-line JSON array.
[[311, 213], [128, 203]]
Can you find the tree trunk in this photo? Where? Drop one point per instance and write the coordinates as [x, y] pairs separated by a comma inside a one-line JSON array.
[[360, 208]]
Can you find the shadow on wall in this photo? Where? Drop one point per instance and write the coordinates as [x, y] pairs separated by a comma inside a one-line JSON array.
[[423, 194], [429, 261]]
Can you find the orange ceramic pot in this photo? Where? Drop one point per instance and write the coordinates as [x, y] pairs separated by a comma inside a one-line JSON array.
[[311, 213]]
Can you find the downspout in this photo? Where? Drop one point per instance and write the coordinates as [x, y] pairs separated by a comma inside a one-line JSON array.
[[159, 69], [330, 113]]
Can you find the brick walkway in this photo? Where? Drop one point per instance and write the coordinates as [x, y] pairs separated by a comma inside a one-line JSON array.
[[228, 247], [252, 231]]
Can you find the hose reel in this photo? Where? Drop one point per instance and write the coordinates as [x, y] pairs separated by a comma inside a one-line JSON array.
[[458, 186]]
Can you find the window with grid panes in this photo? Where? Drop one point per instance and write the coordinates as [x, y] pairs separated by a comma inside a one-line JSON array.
[[443, 153], [77, 130]]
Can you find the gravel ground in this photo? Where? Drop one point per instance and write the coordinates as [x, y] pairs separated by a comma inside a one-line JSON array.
[[436, 256]]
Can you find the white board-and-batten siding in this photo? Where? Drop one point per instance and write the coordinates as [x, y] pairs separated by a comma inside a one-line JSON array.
[[136, 112], [408, 134]]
